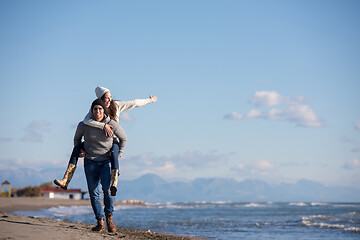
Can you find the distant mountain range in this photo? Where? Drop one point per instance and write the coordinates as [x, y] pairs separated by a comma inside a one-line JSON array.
[[153, 188]]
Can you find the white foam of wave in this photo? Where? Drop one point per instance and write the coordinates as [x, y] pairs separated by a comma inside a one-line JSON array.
[[220, 202], [319, 204], [309, 222], [300, 204], [119, 207], [255, 205], [353, 229], [345, 205], [62, 211], [325, 225], [188, 205], [319, 217], [173, 205], [260, 224], [353, 214]]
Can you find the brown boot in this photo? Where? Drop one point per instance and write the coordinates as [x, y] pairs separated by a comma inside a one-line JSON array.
[[100, 226], [63, 183], [110, 223]]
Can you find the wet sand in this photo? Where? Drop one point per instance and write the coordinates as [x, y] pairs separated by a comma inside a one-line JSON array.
[[24, 227]]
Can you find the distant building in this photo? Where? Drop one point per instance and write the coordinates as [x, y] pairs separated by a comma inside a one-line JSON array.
[[57, 192]]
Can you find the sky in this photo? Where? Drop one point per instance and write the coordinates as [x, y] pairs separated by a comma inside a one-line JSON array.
[[264, 90]]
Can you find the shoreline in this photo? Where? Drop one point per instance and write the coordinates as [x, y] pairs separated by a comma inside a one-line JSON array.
[[9, 205], [14, 226], [12, 204]]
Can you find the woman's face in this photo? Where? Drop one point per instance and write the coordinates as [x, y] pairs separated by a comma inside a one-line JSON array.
[[98, 113], [107, 99]]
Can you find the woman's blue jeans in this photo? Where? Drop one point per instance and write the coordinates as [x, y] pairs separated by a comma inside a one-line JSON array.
[[114, 154], [75, 153], [99, 173]]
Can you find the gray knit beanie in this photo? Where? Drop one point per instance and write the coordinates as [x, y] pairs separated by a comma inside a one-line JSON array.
[[100, 91]]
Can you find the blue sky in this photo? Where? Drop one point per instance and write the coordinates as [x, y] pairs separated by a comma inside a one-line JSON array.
[[247, 89]]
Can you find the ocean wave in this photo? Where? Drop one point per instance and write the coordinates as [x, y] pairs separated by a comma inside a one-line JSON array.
[[119, 207], [255, 205], [320, 221], [174, 205], [300, 204], [346, 204], [352, 229], [353, 214], [260, 224], [62, 211], [206, 204], [325, 225], [319, 217], [318, 204]]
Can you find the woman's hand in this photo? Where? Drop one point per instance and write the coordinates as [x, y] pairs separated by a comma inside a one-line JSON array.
[[82, 154], [108, 131], [153, 98]]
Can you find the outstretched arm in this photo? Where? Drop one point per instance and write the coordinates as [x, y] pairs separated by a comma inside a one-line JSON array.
[[127, 105]]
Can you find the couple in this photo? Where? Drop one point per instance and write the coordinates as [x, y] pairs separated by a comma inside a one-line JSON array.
[[104, 143]]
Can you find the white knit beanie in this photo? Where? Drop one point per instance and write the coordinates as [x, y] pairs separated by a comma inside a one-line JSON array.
[[100, 91]]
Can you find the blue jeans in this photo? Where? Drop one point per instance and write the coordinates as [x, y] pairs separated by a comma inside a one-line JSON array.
[[114, 156], [75, 153], [96, 173]]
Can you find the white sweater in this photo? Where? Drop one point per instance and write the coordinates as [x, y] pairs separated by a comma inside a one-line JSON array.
[[121, 106]]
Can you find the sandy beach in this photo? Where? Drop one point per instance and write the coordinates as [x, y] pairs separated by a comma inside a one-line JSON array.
[[24, 227]]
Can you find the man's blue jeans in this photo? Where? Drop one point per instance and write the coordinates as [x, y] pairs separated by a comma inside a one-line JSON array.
[[96, 173]]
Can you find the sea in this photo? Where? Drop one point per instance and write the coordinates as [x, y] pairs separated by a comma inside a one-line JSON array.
[[229, 220]]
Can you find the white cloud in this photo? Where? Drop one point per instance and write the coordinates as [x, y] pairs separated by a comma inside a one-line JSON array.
[[168, 168], [290, 109], [34, 131], [126, 117], [266, 98], [234, 115], [239, 166], [19, 162], [169, 164], [302, 115], [258, 168], [263, 165], [254, 114], [355, 163], [357, 125]]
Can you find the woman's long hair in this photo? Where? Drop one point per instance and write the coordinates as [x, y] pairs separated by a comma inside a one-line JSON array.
[[111, 109]]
